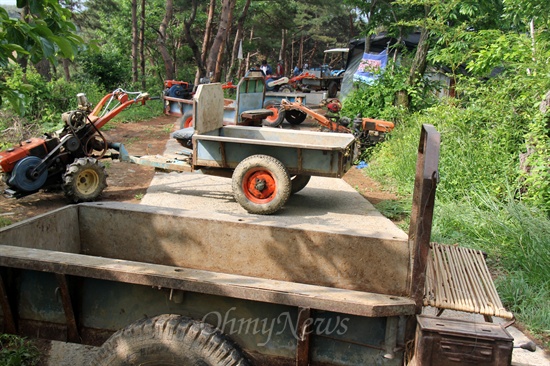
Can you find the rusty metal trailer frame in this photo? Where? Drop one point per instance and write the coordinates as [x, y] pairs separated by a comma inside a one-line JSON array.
[[220, 150], [78, 279]]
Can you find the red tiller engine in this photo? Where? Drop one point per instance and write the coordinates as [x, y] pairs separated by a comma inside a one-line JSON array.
[[33, 146]]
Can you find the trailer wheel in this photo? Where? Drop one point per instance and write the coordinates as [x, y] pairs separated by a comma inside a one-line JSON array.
[[186, 120], [299, 182], [169, 340], [332, 89], [84, 180], [261, 184], [295, 117], [278, 114]]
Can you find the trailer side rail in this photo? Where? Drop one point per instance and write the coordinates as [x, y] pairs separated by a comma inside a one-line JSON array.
[[214, 283]]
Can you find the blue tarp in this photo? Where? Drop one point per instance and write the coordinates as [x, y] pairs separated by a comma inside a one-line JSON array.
[[370, 66]]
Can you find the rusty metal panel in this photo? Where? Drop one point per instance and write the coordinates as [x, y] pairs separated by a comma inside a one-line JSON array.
[[304, 326], [425, 184], [251, 288], [268, 332], [208, 107], [9, 321], [302, 152], [66, 300], [450, 342]]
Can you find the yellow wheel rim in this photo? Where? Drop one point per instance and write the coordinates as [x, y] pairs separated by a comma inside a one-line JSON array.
[[87, 181]]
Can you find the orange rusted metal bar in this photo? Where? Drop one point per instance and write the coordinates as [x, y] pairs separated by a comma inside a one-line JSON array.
[[124, 103], [322, 120]]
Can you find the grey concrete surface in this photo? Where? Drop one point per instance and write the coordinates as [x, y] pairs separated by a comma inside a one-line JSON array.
[[326, 203]]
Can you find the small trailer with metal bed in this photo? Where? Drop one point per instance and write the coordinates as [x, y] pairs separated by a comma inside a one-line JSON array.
[[266, 165]]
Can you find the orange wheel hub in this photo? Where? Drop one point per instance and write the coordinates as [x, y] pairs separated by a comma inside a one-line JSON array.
[[188, 122], [273, 117], [259, 186]]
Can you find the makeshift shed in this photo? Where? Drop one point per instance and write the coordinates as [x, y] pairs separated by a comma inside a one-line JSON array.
[[378, 44]]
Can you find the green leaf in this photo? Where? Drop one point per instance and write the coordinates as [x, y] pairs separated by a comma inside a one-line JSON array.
[[65, 46]]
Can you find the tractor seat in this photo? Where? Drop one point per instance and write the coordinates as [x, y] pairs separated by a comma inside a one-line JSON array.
[[184, 137]]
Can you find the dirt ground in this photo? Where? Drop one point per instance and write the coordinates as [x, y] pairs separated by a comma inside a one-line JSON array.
[[127, 183]]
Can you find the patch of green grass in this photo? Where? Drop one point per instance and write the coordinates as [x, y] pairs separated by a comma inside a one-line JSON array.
[[138, 112], [131, 140], [399, 211], [139, 196], [17, 351], [5, 221], [528, 301]]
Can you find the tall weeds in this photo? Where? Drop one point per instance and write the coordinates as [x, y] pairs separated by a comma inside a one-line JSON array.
[[485, 198]]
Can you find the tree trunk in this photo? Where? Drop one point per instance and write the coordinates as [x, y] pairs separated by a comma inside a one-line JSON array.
[[219, 39], [367, 43], [43, 68], [206, 41], [192, 44], [418, 66], [161, 41], [142, 45], [301, 52], [226, 34], [236, 44], [135, 75], [66, 71], [282, 51]]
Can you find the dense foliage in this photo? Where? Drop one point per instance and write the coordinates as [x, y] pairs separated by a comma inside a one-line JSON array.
[[494, 190]]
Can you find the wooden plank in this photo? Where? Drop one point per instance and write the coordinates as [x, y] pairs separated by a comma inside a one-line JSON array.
[[420, 227], [161, 162], [214, 283], [304, 330], [10, 326], [72, 328]]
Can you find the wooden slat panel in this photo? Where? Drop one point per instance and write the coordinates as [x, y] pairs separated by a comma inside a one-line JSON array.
[[458, 279]]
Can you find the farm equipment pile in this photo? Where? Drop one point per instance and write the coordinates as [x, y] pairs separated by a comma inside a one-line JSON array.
[[69, 158], [368, 131]]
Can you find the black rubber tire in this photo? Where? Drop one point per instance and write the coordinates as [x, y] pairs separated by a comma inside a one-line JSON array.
[[295, 117], [84, 180], [278, 114], [299, 182], [187, 120], [332, 89], [269, 174], [287, 88], [169, 340]]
